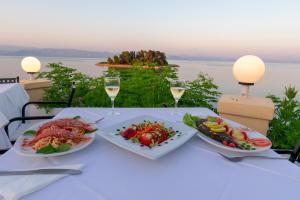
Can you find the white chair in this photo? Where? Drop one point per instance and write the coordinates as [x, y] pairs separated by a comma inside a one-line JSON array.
[[25, 119], [3, 139]]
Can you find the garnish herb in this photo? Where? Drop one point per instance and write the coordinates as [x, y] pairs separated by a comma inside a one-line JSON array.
[[50, 149], [30, 132], [47, 149], [92, 131], [63, 147]]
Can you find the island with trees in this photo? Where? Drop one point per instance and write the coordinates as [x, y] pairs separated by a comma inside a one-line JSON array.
[[146, 59]]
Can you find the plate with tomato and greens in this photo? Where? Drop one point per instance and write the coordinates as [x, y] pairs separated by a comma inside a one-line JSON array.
[[148, 136], [223, 134]]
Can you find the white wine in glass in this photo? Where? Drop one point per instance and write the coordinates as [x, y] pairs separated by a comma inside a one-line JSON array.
[[112, 88], [177, 90], [112, 91]]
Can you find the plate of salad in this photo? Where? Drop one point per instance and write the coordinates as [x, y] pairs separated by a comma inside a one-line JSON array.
[[148, 136], [222, 134], [55, 137]]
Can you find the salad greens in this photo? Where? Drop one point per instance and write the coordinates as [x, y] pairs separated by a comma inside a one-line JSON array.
[[63, 147], [50, 149], [92, 131], [30, 132], [190, 120]]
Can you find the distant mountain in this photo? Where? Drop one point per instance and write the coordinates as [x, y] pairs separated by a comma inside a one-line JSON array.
[[207, 58], [6, 50]]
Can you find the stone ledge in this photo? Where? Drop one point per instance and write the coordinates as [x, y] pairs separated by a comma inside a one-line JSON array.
[[33, 84], [252, 107], [36, 88]]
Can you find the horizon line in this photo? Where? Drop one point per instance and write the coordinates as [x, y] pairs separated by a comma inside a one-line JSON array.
[[169, 56]]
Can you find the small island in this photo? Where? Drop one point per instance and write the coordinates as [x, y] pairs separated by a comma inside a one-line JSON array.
[[146, 59]]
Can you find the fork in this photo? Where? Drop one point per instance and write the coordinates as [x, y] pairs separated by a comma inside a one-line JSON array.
[[95, 122], [240, 158]]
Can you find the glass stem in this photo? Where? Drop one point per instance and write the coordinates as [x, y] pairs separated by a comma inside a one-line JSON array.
[[113, 105], [176, 105]]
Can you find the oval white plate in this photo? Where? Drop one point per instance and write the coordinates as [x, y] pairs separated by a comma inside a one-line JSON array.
[[250, 134], [221, 146], [29, 152]]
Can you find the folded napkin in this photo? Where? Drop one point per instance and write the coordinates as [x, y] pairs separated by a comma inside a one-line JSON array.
[[16, 187]]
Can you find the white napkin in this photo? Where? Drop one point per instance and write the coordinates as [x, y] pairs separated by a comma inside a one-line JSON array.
[[15, 187], [3, 120]]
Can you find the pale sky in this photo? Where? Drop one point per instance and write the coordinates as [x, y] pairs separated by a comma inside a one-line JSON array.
[[267, 28]]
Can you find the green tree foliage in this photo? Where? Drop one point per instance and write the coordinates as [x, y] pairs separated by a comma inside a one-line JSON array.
[[140, 58], [110, 60], [201, 92], [62, 78], [140, 87], [116, 60], [284, 129]]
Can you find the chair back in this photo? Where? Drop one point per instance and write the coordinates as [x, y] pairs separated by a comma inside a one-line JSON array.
[[295, 155], [70, 99], [9, 80]]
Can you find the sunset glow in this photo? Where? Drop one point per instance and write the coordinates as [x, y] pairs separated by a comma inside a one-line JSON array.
[[231, 28]]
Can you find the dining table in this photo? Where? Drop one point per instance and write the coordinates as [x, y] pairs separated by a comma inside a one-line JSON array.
[[12, 98], [193, 171]]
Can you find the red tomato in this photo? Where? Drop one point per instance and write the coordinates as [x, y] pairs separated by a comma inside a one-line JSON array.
[[232, 145], [260, 142], [128, 133], [224, 142], [146, 139], [219, 120], [226, 127], [163, 137], [245, 135]]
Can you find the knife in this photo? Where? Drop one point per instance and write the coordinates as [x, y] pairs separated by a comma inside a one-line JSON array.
[[41, 171]]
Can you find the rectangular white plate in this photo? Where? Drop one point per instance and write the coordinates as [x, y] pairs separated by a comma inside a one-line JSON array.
[[183, 134]]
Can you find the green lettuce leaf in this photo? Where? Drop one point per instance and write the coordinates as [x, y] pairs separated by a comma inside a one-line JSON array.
[[190, 120], [92, 131], [63, 147], [47, 150], [30, 132], [50, 149]]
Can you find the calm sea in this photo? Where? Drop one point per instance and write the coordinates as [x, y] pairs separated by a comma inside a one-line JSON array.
[[277, 75]]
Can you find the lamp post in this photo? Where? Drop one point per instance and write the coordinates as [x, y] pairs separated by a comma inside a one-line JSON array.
[[253, 112], [31, 65], [247, 70]]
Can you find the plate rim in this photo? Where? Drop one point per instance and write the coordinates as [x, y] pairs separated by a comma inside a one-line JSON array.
[[190, 133]]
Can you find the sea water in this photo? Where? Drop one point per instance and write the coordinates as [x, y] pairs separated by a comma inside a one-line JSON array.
[[277, 75]]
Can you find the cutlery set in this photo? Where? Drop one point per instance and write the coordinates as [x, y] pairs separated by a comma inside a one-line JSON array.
[[41, 171]]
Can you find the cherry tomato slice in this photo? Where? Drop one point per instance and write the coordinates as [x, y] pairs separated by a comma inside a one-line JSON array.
[[260, 142]]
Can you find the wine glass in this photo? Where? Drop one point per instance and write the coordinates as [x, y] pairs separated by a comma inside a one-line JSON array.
[[177, 90], [112, 88]]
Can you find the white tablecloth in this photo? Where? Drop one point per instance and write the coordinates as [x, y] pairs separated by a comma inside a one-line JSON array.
[[194, 171], [12, 98]]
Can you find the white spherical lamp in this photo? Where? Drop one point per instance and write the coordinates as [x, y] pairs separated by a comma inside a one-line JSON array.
[[31, 65], [247, 70]]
